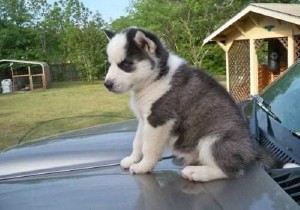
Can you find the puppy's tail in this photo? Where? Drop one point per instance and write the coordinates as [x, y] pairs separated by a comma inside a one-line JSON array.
[[268, 159], [271, 162]]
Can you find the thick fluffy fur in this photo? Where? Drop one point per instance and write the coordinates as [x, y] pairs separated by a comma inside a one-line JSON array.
[[179, 106]]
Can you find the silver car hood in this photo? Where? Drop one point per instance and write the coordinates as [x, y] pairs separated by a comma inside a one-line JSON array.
[[79, 170], [81, 149]]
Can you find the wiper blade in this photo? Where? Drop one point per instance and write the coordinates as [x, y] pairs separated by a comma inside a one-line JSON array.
[[296, 133], [264, 106]]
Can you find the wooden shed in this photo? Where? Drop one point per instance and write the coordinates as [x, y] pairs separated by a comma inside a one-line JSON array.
[[260, 43], [26, 75]]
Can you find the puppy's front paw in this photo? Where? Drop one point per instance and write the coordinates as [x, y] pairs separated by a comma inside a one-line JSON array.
[[192, 173], [126, 162], [140, 168]]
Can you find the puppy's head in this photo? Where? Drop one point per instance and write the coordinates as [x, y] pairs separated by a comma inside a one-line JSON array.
[[135, 57]]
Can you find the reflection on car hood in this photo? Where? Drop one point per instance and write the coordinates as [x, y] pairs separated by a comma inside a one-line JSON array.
[[113, 188], [85, 148]]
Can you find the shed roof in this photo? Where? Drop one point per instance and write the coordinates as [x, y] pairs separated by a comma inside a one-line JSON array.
[[288, 9], [23, 61], [286, 12]]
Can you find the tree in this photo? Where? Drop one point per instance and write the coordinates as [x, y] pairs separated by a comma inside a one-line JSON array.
[[181, 27], [87, 49], [65, 31], [183, 24], [18, 39], [82, 41]]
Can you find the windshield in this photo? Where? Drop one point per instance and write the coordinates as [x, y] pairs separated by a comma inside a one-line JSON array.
[[284, 98]]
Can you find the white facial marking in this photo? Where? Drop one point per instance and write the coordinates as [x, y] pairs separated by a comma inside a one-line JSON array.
[[116, 48], [116, 54], [124, 81]]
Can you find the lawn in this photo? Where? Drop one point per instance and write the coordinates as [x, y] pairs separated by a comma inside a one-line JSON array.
[[63, 107]]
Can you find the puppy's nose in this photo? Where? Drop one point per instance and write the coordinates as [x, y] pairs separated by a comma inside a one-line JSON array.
[[108, 84]]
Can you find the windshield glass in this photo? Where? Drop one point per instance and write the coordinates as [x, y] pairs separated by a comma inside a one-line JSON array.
[[284, 98]]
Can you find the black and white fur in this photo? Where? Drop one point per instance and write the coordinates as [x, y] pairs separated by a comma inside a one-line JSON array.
[[178, 106]]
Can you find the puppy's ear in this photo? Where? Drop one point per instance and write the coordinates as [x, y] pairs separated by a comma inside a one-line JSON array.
[[144, 42], [109, 34]]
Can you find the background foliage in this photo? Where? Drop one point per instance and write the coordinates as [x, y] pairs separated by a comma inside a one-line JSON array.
[[63, 32], [68, 32]]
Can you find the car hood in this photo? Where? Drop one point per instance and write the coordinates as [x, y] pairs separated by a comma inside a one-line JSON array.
[[113, 188], [92, 147], [80, 170]]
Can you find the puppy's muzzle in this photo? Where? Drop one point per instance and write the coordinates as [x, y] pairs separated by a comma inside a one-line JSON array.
[[109, 85]]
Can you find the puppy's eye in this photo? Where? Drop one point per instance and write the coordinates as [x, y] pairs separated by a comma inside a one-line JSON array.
[[126, 65]]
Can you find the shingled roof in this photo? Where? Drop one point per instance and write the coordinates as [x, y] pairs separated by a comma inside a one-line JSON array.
[[286, 12]]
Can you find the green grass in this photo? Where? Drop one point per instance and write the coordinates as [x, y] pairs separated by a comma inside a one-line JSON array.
[[55, 110], [20, 112]]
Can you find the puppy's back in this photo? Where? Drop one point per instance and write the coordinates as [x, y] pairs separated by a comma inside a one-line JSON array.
[[201, 107]]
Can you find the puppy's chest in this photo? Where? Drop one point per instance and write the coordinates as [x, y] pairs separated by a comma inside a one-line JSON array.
[[141, 107], [141, 104]]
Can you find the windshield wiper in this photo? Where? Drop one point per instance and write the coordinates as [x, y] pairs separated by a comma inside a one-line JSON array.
[[264, 106], [296, 133]]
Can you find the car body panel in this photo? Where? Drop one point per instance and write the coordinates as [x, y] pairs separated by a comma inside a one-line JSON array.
[[99, 145], [275, 132], [91, 178], [113, 188]]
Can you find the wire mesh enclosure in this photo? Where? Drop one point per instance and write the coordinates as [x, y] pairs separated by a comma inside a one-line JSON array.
[[297, 47], [264, 77], [26, 75], [239, 70]]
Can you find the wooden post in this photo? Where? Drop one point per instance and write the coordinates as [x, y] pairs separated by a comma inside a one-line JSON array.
[[12, 79], [43, 77], [226, 47], [227, 71], [291, 50], [30, 78], [253, 68]]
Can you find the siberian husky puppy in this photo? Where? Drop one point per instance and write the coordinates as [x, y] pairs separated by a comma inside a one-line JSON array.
[[179, 106]]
